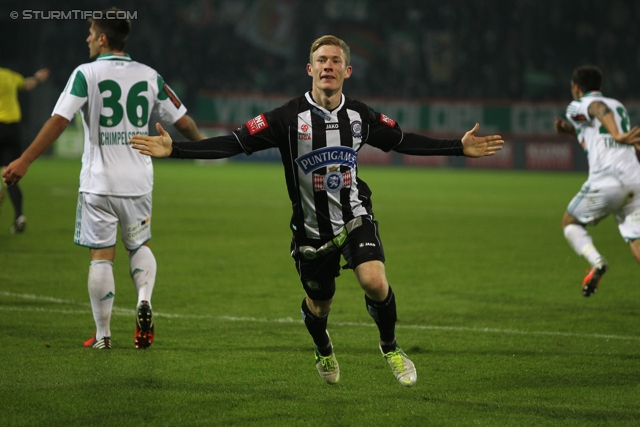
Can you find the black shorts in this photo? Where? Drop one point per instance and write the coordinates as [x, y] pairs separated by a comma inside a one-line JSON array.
[[318, 276], [10, 143]]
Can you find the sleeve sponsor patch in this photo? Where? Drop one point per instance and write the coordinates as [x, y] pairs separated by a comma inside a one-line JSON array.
[[172, 96], [579, 118], [387, 121], [257, 124]]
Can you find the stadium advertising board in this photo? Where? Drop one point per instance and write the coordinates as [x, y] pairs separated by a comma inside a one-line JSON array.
[[503, 159], [372, 156], [549, 155]]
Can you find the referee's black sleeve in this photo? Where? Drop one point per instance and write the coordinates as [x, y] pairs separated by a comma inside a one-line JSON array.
[[420, 145], [218, 147]]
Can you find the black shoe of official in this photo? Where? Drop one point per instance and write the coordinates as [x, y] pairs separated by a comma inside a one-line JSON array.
[[18, 225]]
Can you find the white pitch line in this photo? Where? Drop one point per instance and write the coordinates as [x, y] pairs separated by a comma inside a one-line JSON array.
[[440, 328], [129, 312]]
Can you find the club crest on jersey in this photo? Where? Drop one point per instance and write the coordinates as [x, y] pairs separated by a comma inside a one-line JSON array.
[[257, 124], [332, 182], [356, 128], [387, 121], [327, 156]]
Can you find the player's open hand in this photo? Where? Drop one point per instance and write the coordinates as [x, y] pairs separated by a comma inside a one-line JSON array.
[[480, 146], [154, 146]]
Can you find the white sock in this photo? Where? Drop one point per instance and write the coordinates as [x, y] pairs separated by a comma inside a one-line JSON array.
[[102, 290], [581, 242], [142, 266]]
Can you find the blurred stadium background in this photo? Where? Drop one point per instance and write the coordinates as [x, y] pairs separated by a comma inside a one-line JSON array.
[[436, 67]]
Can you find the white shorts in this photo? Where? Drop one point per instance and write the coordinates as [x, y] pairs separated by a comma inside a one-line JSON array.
[[97, 219], [597, 200]]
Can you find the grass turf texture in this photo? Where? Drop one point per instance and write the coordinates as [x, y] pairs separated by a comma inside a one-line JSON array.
[[488, 296]]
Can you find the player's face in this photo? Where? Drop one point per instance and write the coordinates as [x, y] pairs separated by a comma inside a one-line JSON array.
[[328, 69], [94, 42]]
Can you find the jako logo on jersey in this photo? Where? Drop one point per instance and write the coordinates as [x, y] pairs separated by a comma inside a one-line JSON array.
[[331, 126], [327, 156], [387, 121], [257, 124]]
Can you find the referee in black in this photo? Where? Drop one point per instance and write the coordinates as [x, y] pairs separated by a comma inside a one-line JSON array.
[[319, 135]]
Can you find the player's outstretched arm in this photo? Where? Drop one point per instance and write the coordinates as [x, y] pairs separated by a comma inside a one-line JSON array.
[[630, 138], [602, 112], [563, 126], [480, 146], [39, 77], [50, 131], [188, 128], [154, 146]]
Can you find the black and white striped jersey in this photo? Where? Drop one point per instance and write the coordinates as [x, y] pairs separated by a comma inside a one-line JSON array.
[[319, 150]]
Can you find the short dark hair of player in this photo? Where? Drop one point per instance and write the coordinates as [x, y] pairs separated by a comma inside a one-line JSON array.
[[331, 41], [115, 29], [587, 77]]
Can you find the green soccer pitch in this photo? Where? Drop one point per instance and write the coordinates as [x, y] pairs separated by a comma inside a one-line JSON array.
[[488, 293]]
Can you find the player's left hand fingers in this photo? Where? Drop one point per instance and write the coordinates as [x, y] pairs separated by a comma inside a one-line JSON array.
[[140, 140], [491, 138], [492, 147]]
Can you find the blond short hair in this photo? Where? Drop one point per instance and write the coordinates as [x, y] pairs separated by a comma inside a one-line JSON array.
[[330, 41]]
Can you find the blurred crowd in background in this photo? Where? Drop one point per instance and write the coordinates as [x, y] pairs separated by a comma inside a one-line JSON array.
[[411, 49]]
